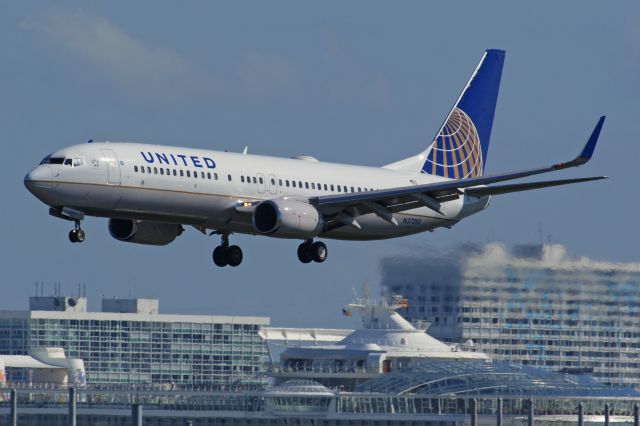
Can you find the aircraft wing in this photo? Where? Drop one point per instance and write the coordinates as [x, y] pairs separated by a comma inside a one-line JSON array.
[[384, 202], [505, 189]]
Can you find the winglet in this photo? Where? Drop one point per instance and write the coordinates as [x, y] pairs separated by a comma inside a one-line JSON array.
[[587, 151]]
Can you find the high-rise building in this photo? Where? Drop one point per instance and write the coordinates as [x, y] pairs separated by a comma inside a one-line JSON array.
[[532, 305], [130, 342]]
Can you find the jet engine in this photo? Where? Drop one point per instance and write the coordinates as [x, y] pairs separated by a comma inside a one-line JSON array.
[[144, 231], [288, 218]]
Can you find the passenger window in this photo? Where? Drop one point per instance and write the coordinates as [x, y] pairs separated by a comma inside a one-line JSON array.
[[215, 176], [142, 169], [209, 175], [155, 170], [300, 184], [313, 185], [287, 181], [339, 190], [260, 180], [242, 178], [174, 172], [280, 182], [352, 189], [273, 181], [332, 188], [293, 182], [359, 189], [229, 177], [188, 173], [148, 169], [161, 171], [135, 169], [325, 187], [202, 175], [345, 189], [248, 179], [181, 173], [306, 185], [168, 172], [195, 175], [67, 162]]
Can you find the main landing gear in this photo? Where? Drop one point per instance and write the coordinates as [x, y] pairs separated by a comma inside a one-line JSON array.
[[225, 254], [310, 251], [77, 235]]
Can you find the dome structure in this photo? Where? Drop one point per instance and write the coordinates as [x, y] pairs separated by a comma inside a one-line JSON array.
[[500, 379], [302, 387]]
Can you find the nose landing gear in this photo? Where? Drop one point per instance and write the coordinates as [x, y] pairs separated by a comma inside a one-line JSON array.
[[77, 235], [225, 254], [310, 251]]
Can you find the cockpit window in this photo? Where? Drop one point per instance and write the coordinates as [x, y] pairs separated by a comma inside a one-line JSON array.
[[73, 162], [52, 160]]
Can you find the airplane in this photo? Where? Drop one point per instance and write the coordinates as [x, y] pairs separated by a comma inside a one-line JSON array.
[[149, 192]]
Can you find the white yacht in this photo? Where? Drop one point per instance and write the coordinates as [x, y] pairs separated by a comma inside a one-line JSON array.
[[385, 343]]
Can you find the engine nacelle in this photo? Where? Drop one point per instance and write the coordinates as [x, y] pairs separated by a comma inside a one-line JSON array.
[[284, 217], [144, 232]]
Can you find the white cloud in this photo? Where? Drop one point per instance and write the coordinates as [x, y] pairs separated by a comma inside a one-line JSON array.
[[133, 66]]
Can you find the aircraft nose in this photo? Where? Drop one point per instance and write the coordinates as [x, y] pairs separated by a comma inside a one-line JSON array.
[[39, 177]]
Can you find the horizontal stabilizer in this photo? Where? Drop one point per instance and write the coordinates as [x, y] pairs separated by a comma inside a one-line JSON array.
[[505, 189]]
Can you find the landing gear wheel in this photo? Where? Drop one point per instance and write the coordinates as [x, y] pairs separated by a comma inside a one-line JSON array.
[[220, 256], [304, 252], [234, 255], [319, 251], [77, 235]]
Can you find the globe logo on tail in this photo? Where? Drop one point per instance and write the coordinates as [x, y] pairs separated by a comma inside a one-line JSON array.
[[456, 152]]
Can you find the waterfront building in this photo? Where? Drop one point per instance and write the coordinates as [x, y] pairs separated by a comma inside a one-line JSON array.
[[131, 342], [532, 305], [385, 373]]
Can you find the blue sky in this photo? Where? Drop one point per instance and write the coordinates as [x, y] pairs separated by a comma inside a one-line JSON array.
[[355, 82]]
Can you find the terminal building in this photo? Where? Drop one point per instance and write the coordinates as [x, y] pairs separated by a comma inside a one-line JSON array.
[[532, 305], [131, 342]]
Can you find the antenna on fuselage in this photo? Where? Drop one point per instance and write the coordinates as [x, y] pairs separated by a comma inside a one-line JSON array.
[[244, 151]]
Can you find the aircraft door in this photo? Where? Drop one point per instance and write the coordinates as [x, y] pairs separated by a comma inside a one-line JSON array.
[[272, 181], [113, 166], [261, 183]]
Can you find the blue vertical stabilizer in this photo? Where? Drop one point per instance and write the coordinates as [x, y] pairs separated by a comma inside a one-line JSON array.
[[460, 148]]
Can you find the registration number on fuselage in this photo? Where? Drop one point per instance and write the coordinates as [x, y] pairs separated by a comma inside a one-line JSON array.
[[411, 221]]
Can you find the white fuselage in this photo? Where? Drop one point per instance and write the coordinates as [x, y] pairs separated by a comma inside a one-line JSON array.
[[207, 188]]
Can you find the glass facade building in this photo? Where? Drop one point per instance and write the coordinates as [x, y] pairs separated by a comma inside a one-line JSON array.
[[531, 305], [142, 347]]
